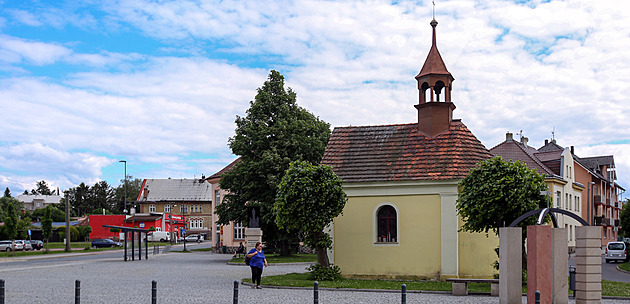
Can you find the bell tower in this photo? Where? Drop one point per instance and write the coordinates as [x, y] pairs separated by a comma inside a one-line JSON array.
[[435, 109]]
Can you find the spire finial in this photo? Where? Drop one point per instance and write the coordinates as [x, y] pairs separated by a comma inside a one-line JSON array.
[[433, 9]]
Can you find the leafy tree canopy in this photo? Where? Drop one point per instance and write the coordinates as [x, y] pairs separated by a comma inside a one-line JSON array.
[[42, 189], [275, 132], [309, 197], [624, 218], [497, 192]]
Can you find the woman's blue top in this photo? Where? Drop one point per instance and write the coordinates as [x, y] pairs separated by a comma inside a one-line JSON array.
[[257, 260]]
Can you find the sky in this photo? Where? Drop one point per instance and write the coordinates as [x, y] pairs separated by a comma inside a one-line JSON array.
[[159, 84]]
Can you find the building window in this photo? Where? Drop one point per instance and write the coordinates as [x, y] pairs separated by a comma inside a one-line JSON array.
[[196, 224], [577, 203], [217, 197], [558, 199], [239, 231], [569, 201], [387, 225], [151, 208], [167, 208], [183, 209]]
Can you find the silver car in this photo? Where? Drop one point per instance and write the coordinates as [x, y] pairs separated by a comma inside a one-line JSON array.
[[616, 251], [6, 246]]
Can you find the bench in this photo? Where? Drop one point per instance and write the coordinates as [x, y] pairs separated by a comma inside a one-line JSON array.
[[460, 286]]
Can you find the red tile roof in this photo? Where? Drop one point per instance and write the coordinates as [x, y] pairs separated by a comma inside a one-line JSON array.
[[511, 150], [225, 169], [400, 153]]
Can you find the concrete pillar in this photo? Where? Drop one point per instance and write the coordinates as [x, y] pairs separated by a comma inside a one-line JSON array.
[[449, 243], [252, 235], [539, 263], [588, 260], [510, 265], [560, 260]]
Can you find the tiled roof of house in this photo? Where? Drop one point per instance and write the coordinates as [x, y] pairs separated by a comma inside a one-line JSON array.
[[225, 169], [515, 151], [400, 153], [186, 190]]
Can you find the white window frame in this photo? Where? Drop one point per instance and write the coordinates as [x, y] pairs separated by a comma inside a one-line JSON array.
[[239, 231], [152, 208], [167, 208]]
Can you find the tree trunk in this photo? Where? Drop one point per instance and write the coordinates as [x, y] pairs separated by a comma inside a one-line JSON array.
[[322, 256]]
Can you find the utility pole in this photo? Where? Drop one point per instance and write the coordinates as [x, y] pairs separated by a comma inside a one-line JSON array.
[[67, 222]]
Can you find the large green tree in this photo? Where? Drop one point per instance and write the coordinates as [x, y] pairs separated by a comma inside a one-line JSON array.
[[309, 197], [42, 188], [133, 189], [275, 132], [47, 228], [497, 192], [624, 218], [10, 222]]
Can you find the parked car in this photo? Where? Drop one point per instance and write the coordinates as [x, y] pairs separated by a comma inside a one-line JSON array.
[[26, 245], [18, 245], [194, 238], [616, 251], [7, 245], [36, 244], [103, 243]]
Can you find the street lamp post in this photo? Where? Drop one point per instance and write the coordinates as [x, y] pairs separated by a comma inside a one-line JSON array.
[[183, 220], [125, 186]]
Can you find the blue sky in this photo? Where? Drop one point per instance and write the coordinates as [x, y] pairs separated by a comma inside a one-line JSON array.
[[159, 83]]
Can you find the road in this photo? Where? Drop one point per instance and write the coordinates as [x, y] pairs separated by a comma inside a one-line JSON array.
[[609, 271]]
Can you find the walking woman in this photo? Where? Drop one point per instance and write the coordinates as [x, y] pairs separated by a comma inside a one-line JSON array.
[[257, 262]]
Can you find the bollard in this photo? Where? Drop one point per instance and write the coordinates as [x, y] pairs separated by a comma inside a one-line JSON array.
[[77, 292], [572, 279], [153, 292], [537, 297], [315, 292], [1, 291], [235, 300], [403, 299]]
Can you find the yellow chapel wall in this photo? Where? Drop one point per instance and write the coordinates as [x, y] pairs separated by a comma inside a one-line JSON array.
[[417, 252], [476, 254]]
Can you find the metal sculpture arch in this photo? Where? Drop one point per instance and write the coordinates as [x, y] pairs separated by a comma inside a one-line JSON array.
[[543, 212]]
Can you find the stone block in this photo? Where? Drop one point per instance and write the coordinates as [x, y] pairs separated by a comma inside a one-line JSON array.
[[560, 264], [584, 269], [588, 260], [588, 251], [494, 289], [588, 297], [539, 263], [592, 286], [588, 232], [590, 243], [591, 277], [460, 289]]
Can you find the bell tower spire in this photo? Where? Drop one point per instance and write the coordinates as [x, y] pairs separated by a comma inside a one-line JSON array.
[[435, 109]]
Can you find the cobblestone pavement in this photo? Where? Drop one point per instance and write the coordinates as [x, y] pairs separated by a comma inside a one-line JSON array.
[[197, 277]]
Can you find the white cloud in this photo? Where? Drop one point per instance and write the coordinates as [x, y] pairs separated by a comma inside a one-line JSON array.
[[535, 67]]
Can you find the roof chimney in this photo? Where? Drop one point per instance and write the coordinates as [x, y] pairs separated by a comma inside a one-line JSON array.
[[546, 141], [509, 136], [572, 150], [524, 141]]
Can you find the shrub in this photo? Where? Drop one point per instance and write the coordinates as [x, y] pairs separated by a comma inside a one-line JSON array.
[[322, 273], [74, 233]]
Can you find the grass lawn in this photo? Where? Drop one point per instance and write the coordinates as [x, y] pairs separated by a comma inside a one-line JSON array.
[[274, 258], [625, 266], [301, 280]]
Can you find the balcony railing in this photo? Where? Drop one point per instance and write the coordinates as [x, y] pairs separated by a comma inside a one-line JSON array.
[[617, 223], [603, 221], [597, 199]]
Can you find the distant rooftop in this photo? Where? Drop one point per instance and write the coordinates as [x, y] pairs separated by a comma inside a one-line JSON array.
[[187, 190]]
